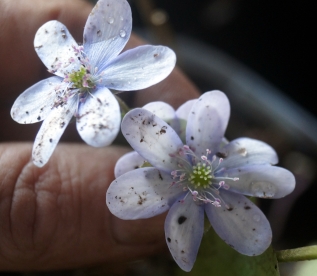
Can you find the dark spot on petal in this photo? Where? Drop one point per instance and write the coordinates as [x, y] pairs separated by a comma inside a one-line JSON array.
[[247, 207], [141, 200], [160, 176], [182, 251], [141, 140], [253, 229], [39, 118], [27, 112], [181, 219], [169, 239], [230, 208], [155, 55], [192, 138], [163, 130], [51, 140], [221, 155]]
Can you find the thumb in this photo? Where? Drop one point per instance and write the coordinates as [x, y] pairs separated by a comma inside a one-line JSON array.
[[56, 217]]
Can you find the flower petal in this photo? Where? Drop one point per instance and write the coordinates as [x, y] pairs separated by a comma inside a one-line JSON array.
[[138, 68], [183, 111], [98, 120], [182, 116], [184, 227], [161, 110], [51, 131], [141, 193], [263, 181], [207, 122], [245, 151], [128, 162], [152, 138], [242, 225], [107, 30], [54, 45], [36, 102], [164, 111]]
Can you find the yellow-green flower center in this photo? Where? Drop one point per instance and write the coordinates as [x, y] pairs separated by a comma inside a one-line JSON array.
[[201, 176], [81, 79]]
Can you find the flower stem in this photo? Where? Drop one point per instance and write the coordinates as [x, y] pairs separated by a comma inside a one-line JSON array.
[[298, 254], [123, 106]]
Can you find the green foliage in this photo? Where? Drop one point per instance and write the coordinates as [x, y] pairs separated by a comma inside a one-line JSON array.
[[215, 257]]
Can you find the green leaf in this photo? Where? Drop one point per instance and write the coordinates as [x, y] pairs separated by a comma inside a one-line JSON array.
[[215, 257]]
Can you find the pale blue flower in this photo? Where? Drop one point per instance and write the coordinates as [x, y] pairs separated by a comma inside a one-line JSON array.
[[202, 176], [84, 75]]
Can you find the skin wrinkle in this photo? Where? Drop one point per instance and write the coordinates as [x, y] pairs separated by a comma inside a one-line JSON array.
[[15, 248], [64, 209], [5, 196], [46, 202], [30, 194], [68, 203]]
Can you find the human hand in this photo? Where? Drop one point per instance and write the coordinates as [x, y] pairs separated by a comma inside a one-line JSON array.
[[56, 217]]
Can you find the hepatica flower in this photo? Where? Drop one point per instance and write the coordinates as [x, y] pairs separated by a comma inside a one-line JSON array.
[[84, 75], [202, 176], [175, 118]]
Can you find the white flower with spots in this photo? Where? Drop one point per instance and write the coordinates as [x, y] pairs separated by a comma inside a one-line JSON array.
[[176, 119], [202, 176], [84, 75]]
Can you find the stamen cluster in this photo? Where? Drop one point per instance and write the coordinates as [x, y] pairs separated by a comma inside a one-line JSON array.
[[82, 78], [197, 176]]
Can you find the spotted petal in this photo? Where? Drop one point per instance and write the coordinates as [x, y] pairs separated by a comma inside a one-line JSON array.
[[98, 120], [184, 226], [128, 162], [152, 138], [183, 111], [141, 193], [244, 151], [161, 110], [107, 30], [182, 116], [51, 131], [207, 122], [165, 112], [260, 181], [54, 45], [138, 68], [35, 103], [243, 226]]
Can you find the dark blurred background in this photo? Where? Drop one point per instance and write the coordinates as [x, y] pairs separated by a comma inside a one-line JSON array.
[[274, 38]]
